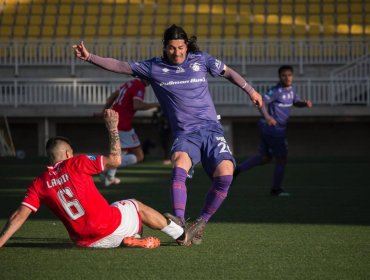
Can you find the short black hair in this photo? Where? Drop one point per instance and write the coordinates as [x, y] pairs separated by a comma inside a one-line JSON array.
[[53, 141], [284, 68]]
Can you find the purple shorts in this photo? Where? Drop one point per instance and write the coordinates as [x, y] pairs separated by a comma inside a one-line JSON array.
[[206, 145], [273, 146]]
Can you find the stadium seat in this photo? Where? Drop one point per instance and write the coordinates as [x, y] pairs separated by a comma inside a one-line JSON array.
[[92, 9], [21, 20], [118, 30], [91, 20], [258, 30], [119, 21], [106, 9], [51, 9], [33, 31], [63, 20], [216, 31], [104, 30], [230, 31], [35, 20], [61, 31], [146, 30], [202, 30], [244, 30], [6, 31], [76, 31], [65, 9], [47, 31], [189, 8], [132, 30], [89, 30], [78, 9], [19, 31], [105, 20], [7, 20], [49, 20]]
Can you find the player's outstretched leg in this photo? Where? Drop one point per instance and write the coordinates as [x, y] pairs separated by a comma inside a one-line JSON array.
[[214, 198], [248, 164]]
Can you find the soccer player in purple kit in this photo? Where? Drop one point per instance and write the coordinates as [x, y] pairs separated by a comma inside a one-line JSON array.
[[180, 83], [279, 101]]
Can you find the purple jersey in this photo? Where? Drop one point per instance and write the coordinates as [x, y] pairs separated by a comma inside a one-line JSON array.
[[182, 90], [279, 101]]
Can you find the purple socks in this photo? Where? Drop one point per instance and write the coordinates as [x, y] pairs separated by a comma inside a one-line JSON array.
[[178, 192], [215, 196]]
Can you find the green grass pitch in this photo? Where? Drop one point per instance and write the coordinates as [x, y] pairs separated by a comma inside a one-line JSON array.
[[321, 232]]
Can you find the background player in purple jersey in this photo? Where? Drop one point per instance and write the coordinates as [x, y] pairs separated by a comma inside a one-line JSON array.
[[279, 101], [180, 82]]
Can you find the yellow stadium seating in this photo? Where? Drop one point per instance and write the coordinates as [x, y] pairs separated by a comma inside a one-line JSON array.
[[104, 30], [7, 20], [227, 18], [61, 31], [19, 31], [146, 30], [92, 9], [6, 31], [47, 31], [90, 30]]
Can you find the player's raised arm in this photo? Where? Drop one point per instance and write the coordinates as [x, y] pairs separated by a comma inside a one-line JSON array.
[[106, 63], [238, 80], [113, 160], [14, 223]]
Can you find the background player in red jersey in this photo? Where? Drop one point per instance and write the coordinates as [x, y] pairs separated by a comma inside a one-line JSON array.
[[67, 189], [128, 99]]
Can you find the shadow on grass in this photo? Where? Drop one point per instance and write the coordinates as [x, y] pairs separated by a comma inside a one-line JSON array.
[[59, 243], [34, 242]]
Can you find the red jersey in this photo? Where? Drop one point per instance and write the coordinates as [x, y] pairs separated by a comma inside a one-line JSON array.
[[68, 189], [124, 104]]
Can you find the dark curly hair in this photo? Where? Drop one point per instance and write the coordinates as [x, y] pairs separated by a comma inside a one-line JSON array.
[[175, 32]]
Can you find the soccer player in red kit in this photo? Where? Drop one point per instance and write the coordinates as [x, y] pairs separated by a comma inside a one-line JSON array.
[[67, 188], [128, 99]]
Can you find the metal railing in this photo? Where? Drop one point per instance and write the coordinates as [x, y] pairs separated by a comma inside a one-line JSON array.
[[239, 52], [77, 92]]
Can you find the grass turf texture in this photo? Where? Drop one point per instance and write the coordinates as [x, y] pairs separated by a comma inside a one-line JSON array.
[[320, 232]]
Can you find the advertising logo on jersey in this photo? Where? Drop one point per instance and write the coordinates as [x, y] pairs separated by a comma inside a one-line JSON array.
[[195, 66], [180, 69], [90, 157], [165, 70]]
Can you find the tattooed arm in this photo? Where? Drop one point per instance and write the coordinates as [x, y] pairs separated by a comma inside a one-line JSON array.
[[14, 223], [113, 160]]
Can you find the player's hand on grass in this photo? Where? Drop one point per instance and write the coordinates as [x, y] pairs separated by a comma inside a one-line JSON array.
[[111, 119], [80, 51], [256, 98]]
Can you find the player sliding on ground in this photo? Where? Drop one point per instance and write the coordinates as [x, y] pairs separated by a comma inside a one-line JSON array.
[[180, 82], [67, 188]]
